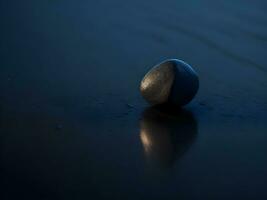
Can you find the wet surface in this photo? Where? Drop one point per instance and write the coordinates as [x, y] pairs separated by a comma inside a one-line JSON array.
[[74, 126]]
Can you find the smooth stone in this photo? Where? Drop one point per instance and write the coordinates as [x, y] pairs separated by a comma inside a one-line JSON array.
[[172, 81]]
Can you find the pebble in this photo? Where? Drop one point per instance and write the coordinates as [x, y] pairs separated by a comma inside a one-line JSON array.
[[59, 126], [172, 81]]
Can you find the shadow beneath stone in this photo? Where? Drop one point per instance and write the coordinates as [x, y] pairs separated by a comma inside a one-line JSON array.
[[166, 134]]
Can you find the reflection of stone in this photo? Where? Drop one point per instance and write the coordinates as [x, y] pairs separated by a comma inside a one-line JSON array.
[[172, 81], [166, 134]]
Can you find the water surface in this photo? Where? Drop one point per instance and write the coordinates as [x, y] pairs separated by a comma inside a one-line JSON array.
[[74, 126]]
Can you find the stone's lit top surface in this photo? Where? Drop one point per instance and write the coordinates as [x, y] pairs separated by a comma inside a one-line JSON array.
[[156, 85]]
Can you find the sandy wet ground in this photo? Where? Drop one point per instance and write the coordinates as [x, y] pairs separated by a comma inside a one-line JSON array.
[[74, 126]]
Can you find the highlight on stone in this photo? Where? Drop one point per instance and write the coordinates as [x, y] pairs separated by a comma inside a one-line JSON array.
[[172, 81]]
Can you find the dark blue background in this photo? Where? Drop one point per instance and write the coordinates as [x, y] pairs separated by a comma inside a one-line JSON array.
[[72, 118]]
